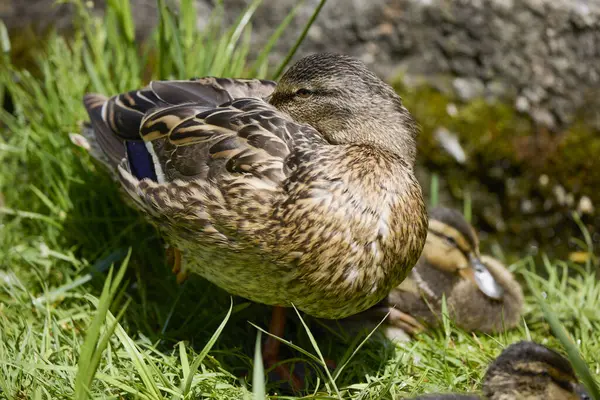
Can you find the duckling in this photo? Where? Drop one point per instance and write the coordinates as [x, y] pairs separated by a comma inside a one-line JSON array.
[[297, 193], [481, 293], [474, 311], [526, 371]]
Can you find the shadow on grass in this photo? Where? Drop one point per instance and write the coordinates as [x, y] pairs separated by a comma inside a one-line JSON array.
[[102, 227]]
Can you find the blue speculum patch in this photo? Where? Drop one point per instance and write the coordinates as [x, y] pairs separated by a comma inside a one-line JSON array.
[[140, 160]]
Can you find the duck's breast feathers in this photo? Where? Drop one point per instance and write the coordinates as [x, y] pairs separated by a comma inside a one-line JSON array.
[[243, 137]]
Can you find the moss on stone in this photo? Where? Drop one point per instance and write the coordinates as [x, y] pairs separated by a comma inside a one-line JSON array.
[[507, 153]]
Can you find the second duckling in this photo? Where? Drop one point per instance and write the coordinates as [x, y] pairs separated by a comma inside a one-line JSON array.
[[481, 294], [525, 371]]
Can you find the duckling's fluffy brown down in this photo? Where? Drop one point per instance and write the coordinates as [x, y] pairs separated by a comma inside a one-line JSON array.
[[469, 308], [472, 310], [525, 371]]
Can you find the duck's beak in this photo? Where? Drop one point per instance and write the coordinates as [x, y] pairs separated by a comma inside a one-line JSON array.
[[482, 278]]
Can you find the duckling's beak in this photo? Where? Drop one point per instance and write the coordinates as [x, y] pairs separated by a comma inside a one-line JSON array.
[[482, 278], [581, 392]]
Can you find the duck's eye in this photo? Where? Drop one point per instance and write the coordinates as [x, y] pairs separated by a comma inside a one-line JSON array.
[[303, 92]]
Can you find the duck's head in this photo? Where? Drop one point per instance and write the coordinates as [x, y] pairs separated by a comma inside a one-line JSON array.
[[453, 246], [346, 103], [528, 370]]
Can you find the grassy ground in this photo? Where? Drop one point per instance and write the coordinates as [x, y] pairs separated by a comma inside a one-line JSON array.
[[62, 224]]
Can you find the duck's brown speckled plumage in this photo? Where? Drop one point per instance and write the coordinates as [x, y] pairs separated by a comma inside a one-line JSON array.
[[263, 204], [526, 371]]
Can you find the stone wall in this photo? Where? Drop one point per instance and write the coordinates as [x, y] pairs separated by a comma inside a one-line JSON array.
[[543, 55]]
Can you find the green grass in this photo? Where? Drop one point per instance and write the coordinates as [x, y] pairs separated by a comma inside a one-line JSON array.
[[73, 327]]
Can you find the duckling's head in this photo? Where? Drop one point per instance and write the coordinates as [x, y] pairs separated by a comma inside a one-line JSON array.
[[453, 246], [346, 103], [472, 310], [528, 370]]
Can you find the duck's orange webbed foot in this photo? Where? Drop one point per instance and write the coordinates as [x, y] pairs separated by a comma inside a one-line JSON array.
[[174, 260], [401, 320]]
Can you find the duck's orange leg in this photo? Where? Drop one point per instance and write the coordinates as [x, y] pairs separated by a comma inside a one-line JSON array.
[[270, 351], [174, 260], [271, 347]]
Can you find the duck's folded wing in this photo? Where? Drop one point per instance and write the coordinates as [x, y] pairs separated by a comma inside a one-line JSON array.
[[246, 136], [117, 120], [211, 91], [230, 154]]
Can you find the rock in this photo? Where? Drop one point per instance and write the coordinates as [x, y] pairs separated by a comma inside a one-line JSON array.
[[543, 117], [585, 205], [560, 194], [452, 110], [468, 88], [522, 104], [545, 51], [449, 142]]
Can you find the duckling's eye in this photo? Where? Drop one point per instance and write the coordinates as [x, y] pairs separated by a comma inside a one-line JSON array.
[[451, 241], [303, 93]]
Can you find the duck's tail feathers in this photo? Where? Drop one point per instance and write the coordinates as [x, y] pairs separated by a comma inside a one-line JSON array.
[[104, 145]]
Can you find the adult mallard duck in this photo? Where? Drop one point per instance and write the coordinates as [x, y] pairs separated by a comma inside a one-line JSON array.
[[481, 293], [300, 192], [526, 371]]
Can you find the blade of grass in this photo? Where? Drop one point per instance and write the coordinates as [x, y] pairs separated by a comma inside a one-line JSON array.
[[299, 41], [259, 65], [434, 190], [344, 363], [97, 83], [123, 11], [140, 362], [258, 373], [228, 43], [388, 386], [103, 344], [321, 358], [185, 367], [4, 38], [446, 318], [572, 351], [187, 384], [93, 344], [467, 207], [176, 47], [163, 51], [187, 22], [290, 344]]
